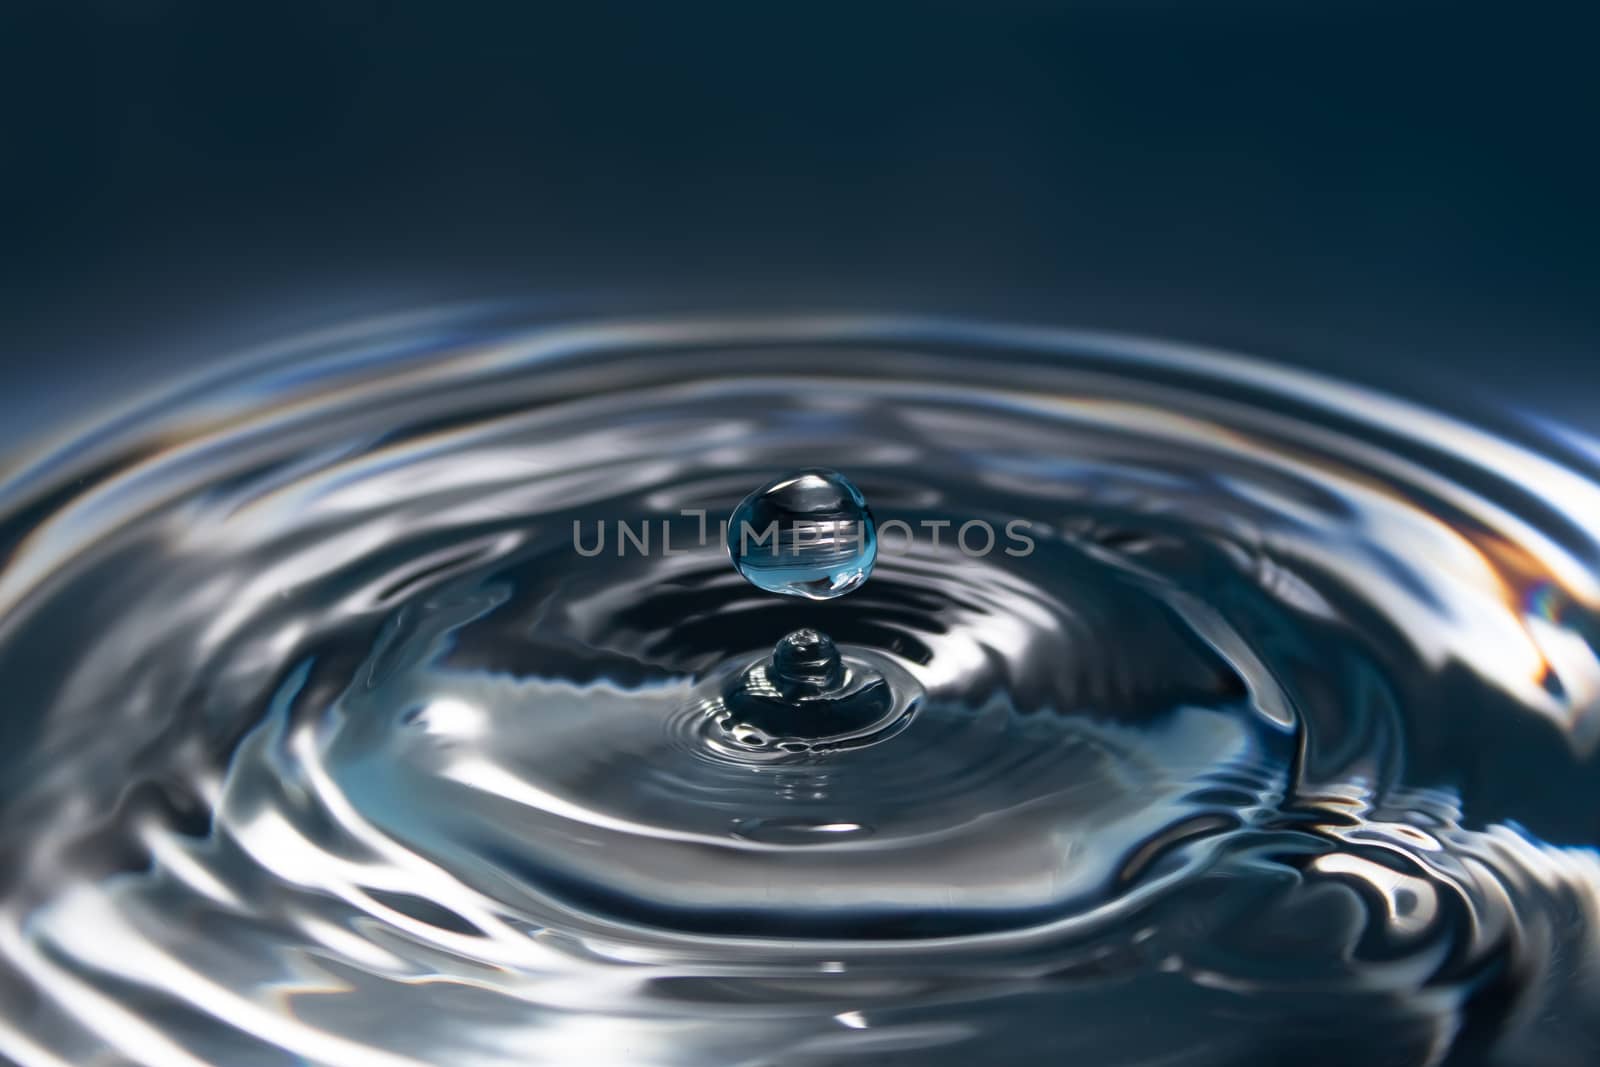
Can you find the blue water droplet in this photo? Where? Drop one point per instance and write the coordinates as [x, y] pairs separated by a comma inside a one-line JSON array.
[[806, 534]]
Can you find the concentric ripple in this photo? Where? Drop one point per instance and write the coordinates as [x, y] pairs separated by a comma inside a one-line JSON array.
[[334, 739]]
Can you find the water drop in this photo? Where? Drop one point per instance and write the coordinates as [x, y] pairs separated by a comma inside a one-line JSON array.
[[807, 534]]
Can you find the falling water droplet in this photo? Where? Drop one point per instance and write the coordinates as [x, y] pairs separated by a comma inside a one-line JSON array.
[[807, 534]]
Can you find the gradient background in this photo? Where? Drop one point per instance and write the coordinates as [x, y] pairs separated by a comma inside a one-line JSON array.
[[1404, 192]]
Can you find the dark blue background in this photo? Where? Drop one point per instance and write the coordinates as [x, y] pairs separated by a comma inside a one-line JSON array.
[[1390, 189]]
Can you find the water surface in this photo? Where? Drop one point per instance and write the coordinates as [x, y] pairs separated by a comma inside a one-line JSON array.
[[326, 746]]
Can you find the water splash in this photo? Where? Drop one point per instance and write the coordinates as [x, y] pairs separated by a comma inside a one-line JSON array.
[[806, 697]]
